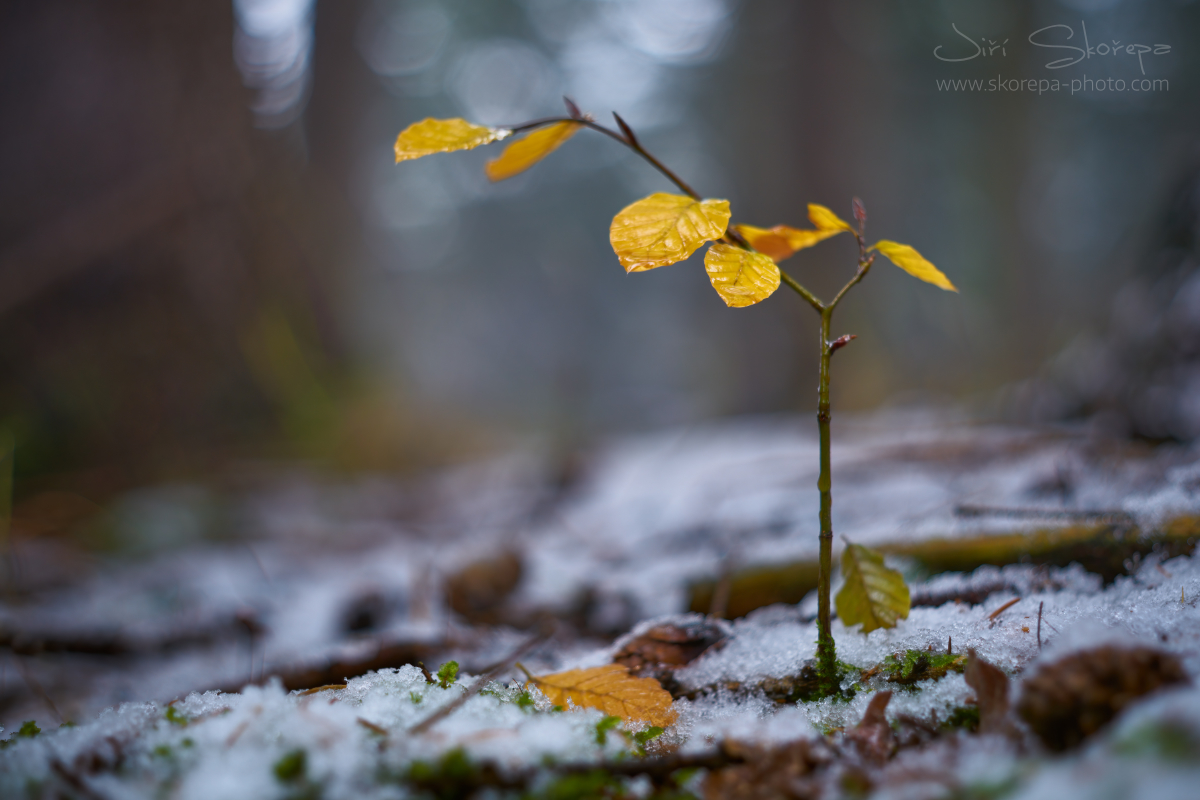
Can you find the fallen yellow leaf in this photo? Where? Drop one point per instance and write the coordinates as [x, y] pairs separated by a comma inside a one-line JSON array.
[[665, 228], [528, 150], [782, 241], [442, 136], [826, 220], [872, 594], [611, 689], [912, 262], [741, 277]]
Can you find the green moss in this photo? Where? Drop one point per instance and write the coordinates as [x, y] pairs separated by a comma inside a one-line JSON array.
[[28, 730], [913, 666], [642, 738], [524, 700], [291, 766], [582, 786], [447, 673], [174, 717], [962, 718], [604, 726], [415, 698], [1168, 740], [162, 751]]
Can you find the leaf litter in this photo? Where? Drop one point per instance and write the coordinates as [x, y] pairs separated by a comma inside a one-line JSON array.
[[228, 743]]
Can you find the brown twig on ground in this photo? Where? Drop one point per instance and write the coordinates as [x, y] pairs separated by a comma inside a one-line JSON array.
[[992, 616], [36, 688], [387, 654], [480, 682], [1066, 514], [1039, 627]]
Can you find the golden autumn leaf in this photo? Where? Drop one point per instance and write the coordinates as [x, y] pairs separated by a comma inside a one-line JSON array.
[[826, 220], [782, 241], [665, 228], [443, 136], [741, 277], [912, 262], [872, 594], [611, 689], [528, 150]]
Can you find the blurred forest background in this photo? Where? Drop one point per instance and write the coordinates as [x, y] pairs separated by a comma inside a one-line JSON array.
[[208, 257]]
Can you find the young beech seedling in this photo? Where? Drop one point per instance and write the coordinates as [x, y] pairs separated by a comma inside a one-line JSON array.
[[743, 266]]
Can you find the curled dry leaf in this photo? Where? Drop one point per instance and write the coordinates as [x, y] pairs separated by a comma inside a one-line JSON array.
[[991, 694], [873, 594], [431, 136], [782, 241], [872, 737], [826, 220], [665, 228], [912, 262], [528, 150], [610, 689], [741, 277]]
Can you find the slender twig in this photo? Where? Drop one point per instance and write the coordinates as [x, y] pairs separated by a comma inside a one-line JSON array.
[[1039, 628], [480, 682], [1003, 608], [1097, 515], [627, 138], [632, 144], [809, 297]]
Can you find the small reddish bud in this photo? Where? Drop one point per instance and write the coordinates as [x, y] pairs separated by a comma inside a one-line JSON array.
[[840, 342], [625, 129], [860, 212]]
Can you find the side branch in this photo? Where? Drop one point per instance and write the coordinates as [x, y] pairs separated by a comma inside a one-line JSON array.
[[800, 290]]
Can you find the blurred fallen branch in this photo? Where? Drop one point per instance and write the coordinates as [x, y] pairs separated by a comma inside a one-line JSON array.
[[1103, 548]]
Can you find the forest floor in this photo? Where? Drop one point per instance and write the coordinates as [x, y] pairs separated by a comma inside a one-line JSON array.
[[1051, 651]]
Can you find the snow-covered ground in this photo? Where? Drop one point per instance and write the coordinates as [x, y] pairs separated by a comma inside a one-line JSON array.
[[648, 516]]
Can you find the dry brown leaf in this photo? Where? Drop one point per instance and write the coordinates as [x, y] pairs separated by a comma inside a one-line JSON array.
[[782, 241], [611, 689], [665, 228], [528, 150], [991, 693], [872, 737], [442, 136]]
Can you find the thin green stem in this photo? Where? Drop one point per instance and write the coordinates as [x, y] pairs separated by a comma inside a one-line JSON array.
[[826, 652], [800, 290]]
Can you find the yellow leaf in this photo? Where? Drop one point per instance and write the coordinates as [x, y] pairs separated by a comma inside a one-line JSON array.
[[528, 150], [611, 689], [912, 262], [826, 220], [741, 277], [665, 228], [442, 136], [873, 594], [782, 241]]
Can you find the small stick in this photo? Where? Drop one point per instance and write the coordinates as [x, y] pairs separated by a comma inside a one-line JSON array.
[[372, 727], [720, 598], [36, 688], [480, 682], [949, 645], [1099, 515], [1039, 629], [1002, 608], [327, 687]]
